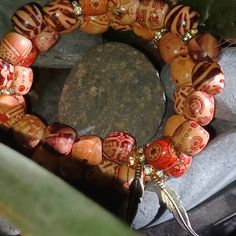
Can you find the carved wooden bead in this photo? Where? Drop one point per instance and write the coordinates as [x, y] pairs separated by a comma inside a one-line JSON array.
[[208, 77], [143, 32], [172, 124], [200, 107], [6, 74], [118, 145], [181, 19], [15, 48], [29, 131], [89, 149], [59, 138], [28, 20], [180, 96], [181, 70], [151, 13], [23, 79], [30, 59], [161, 153], [171, 46], [93, 7], [95, 24], [11, 110], [190, 138]]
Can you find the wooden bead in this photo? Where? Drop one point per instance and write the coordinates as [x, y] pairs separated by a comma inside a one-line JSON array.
[[28, 20], [190, 138], [172, 124], [30, 59], [11, 111], [181, 19], [89, 149], [118, 145], [208, 77], [28, 131], [171, 46], [151, 13], [122, 13], [180, 96], [203, 47], [200, 107], [181, 70], [161, 153], [15, 48], [143, 32], [93, 7], [59, 138], [6, 74], [23, 79], [95, 24]]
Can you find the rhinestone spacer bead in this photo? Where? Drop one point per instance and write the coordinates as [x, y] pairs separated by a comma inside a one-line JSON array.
[[77, 8], [189, 35]]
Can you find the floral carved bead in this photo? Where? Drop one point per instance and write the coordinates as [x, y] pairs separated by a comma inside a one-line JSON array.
[[93, 7], [6, 74]]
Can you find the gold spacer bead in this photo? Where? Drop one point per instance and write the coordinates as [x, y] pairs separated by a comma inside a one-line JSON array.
[[158, 35], [7, 91], [77, 8], [189, 35]]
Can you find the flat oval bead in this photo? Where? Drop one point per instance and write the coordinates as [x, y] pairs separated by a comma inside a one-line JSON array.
[[28, 131], [181, 19], [161, 153], [190, 138], [89, 149], [11, 110], [180, 96], [143, 32], [93, 7], [181, 70], [28, 20], [117, 146], [200, 107], [15, 48], [59, 138], [95, 24], [208, 77], [151, 14], [23, 79], [6, 74]]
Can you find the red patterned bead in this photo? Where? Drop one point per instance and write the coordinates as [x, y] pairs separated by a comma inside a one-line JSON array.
[[93, 7], [181, 19], [6, 74], [208, 77], [30, 59], [118, 145], [161, 153], [28, 20]]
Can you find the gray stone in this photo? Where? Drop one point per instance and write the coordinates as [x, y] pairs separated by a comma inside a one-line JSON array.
[[6, 229], [114, 87]]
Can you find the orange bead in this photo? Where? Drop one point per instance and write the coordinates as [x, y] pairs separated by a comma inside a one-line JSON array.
[[6, 74], [93, 7], [190, 138], [89, 149], [143, 32]]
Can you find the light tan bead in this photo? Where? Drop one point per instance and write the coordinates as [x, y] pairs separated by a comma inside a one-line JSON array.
[[93, 7], [143, 32], [172, 124], [190, 138]]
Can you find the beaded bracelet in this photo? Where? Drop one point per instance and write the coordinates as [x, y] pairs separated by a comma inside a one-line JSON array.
[[194, 70]]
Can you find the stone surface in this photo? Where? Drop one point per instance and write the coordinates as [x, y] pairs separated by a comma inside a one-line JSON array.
[[114, 87], [6, 229]]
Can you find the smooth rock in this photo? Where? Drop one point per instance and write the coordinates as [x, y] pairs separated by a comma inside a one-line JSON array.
[[6, 229], [114, 87]]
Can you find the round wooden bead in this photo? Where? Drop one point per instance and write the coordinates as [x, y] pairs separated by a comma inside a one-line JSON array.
[[29, 131], [181, 19], [200, 107], [179, 97], [190, 138], [95, 24], [151, 13], [46, 39], [118, 145], [122, 13], [89, 149], [15, 48], [59, 138], [161, 153], [208, 77], [93, 7], [171, 46], [143, 32], [23, 79], [172, 124], [11, 111], [181, 70], [28, 20], [204, 46], [6, 74]]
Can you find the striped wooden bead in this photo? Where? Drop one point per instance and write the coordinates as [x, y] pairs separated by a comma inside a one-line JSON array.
[[93, 7], [208, 77], [28, 20], [6, 74], [181, 19]]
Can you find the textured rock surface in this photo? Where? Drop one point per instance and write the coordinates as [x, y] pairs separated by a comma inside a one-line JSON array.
[[6, 229], [114, 87]]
